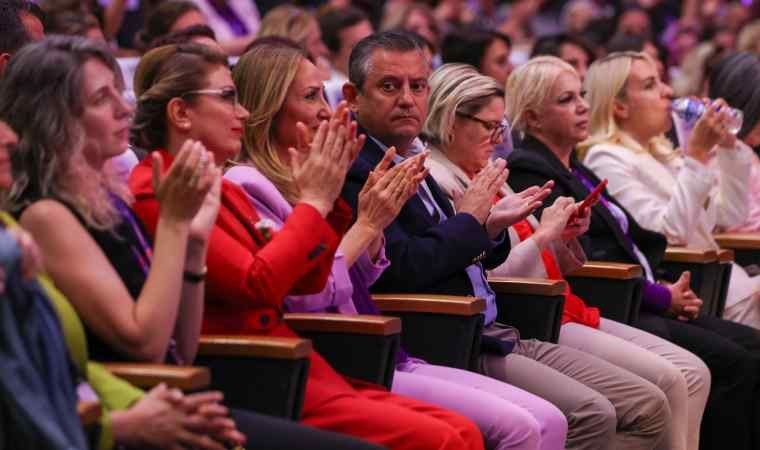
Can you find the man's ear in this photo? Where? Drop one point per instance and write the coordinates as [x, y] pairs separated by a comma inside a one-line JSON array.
[[620, 109], [350, 94], [4, 58], [177, 114]]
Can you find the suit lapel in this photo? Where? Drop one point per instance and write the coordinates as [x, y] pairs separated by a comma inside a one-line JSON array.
[[439, 197], [605, 213], [578, 189], [372, 154]]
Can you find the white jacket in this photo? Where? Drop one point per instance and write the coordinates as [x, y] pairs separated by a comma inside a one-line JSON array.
[[680, 198]]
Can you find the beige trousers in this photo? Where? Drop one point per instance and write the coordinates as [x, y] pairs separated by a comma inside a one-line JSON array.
[[615, 393], [681, 375]]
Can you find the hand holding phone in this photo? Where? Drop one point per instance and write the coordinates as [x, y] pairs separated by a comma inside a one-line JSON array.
[[590, 200]]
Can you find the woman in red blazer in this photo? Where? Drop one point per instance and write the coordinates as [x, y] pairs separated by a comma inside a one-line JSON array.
[[186, 93]]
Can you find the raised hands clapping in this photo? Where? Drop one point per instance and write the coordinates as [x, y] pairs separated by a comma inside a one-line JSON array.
[[319, 165], [388, 189], [516, 207], [189, 190]]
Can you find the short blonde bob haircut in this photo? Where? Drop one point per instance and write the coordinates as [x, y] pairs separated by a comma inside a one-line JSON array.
[[455, 88], [528, 88], [606, 82], [263, 76]]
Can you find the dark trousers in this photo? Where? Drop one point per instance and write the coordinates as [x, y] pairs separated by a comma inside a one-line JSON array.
[[272, 433], [732, 352]]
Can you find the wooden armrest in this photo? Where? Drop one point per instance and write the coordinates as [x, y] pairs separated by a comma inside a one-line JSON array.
[[725, 255], [600, 269], [527, 286], [89, 412], [186, 378], [340, 323], [254, 346], [429, 303], [744, 241], [690, 255]]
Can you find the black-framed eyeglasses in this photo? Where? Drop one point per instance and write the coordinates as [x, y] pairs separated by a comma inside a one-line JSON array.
[[495, 127], [227, 94]]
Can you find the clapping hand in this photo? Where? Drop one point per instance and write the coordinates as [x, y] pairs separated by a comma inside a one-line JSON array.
[[516, 207], [388, 189], [478, 197], [182, 190], [319, 166]]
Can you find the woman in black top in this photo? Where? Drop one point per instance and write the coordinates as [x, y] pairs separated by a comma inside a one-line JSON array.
[[730, 350]]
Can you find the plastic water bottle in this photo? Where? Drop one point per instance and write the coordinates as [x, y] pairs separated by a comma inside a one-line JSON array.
[[691, 109]]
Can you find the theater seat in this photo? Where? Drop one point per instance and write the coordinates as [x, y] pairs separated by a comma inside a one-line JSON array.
[[265, 374], [746, 247], [146, 376], [614, 288], [359, 346], [707, 273], [532, 305], [441, 329]]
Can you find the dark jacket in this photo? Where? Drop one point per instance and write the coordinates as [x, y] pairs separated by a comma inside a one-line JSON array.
[[426, 256], [534, 164], [37, 391]]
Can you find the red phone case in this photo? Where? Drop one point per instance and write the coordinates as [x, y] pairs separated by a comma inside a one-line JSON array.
[[591, 198]]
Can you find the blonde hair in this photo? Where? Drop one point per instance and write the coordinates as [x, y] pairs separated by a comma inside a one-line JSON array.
[[395, 17], [287, 21], [529, 86], [749, 37], [263, 76], [605, 82], [455, 88]]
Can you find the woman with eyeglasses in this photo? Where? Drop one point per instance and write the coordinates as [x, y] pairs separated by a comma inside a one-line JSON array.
[[508, 417], [548, 106], [186, 92], [569, 374], [137, 301]]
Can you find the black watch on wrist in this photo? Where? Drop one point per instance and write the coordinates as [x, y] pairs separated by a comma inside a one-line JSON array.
[[195, 277]]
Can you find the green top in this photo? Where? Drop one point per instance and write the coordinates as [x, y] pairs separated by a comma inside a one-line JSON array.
[[114, 394]]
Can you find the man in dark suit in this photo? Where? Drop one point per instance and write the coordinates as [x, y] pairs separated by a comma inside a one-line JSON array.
[[436, 248], [431, 247]]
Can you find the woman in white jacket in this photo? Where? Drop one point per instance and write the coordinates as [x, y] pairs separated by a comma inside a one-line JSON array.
[[595, 355], [671, 192]]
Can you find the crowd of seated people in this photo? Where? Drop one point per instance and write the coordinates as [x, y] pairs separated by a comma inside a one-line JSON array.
[[242, 171]]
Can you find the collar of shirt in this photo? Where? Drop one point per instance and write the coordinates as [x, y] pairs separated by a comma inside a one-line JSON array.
[[415, 148]]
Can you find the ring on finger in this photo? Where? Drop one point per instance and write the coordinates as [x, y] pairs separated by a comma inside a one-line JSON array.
[[204, 159]]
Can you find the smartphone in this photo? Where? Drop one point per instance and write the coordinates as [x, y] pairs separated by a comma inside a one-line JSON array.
[[591, 199]]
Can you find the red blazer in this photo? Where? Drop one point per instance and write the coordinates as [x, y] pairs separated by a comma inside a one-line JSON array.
[[249, 270]]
